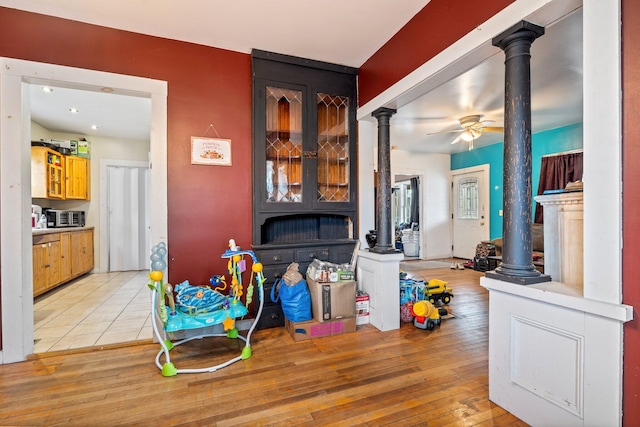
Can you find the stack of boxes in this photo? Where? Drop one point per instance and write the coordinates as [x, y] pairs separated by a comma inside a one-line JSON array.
[[333, 303]]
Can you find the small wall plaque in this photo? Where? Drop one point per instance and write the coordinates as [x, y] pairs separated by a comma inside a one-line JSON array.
[[210, 151]]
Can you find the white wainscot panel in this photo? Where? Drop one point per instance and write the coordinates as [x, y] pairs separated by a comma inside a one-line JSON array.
[[548, 362]]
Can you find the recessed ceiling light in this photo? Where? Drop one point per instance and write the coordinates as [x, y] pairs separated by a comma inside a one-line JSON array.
[[106, 89], [74, 110], [47, 89], [94, 127]]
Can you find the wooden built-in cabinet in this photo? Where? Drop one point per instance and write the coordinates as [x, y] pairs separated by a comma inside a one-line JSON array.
[[46, 263], [59, 257], [82, 250], [47, 173], [76, 178], [58, 177], [304, 165]]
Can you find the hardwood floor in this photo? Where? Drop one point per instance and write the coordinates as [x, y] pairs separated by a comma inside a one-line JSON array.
[[408, 377]]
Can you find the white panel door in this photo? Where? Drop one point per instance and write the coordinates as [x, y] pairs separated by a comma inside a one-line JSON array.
[[470, 210]]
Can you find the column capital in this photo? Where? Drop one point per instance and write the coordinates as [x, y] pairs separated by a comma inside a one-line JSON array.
[[522, 29], [383, 111]]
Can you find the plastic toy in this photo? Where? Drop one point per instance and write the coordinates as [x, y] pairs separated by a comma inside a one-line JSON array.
[[437, 291], [426, 315], [199, 306]]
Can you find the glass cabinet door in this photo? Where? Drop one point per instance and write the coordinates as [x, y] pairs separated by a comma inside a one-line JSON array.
[[333, 148], [283, 145]]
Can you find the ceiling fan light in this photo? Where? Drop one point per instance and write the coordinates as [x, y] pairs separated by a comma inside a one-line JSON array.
[[467, 136]]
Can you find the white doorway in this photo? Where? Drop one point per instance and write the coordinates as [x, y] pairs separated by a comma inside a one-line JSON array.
[[16, 257], [407, 213], [470, 210], [128, 221]]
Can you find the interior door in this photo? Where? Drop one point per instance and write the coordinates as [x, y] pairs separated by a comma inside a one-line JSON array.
[[470, 196], [129, 218]]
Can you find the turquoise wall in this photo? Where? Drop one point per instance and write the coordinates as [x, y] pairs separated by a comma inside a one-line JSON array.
[[552, 141]]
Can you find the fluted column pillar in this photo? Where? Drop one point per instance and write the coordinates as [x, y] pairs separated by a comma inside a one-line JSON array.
[[517, 263], [383, 198]]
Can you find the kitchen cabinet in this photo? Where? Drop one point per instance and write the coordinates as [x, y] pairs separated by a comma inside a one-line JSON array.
[[60, 256], [46, 263], [304, 165], [47, 173], [76, 178], [65, 257], [58, 177], [81, 252]]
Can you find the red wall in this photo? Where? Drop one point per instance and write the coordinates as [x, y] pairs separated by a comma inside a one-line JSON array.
[[207, 205], [631, 202], [438, 25]]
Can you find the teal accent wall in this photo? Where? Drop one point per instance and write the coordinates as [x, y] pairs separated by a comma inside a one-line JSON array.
[[552, 141]]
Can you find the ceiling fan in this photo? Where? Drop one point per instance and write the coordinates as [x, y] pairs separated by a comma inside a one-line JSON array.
[[472, 129]]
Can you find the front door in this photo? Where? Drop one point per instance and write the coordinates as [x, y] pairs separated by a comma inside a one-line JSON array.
[[470, 196]]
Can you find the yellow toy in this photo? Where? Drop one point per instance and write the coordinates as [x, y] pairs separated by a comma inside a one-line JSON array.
[[426, 315], [437, 290]]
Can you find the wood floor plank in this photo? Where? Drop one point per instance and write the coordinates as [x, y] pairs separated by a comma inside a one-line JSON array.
[[404, 377]]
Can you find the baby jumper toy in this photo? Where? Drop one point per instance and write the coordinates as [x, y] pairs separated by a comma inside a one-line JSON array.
[[199, 306]]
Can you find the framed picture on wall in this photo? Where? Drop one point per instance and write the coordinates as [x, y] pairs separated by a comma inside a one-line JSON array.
[[210, 151]]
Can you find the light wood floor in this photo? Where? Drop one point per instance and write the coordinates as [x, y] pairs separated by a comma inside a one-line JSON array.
[[408, 377]]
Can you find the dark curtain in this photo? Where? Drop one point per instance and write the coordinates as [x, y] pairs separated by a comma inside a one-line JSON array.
[[415, 202], [555, 173]]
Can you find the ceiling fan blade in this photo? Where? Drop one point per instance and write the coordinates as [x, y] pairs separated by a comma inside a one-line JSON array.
[[446, 131], [493, 129], [458, 138]]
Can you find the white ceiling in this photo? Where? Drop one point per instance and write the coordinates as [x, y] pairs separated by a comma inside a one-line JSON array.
[[358, 28]]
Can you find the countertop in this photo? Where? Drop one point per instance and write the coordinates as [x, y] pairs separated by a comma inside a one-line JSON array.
[[42, 231]]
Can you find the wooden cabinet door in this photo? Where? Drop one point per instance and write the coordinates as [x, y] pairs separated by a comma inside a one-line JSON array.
[[65, 256], [46, 266], [81, 252], [47, 173], [40, 278], [76, 180], [53, 261], [87, 238], [77, 249]]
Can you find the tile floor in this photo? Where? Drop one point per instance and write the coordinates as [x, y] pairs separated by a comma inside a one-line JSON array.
[[93, 310]]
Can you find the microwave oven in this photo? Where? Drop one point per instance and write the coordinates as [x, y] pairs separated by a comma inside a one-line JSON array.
[[59, 218]]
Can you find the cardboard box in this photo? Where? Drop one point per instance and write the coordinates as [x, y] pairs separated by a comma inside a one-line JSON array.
[[332, 300], [84, 149], [63, 143], [301, 331], [362, 309]]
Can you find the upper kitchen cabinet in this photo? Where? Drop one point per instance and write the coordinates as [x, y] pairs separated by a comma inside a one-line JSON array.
[[47, 173], [304, 149], [59, 177], [76, 178]]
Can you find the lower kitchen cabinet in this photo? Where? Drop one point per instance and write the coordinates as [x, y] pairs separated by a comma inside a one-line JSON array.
[[65, 257], [46, 264], [82, 252], [59, 257]]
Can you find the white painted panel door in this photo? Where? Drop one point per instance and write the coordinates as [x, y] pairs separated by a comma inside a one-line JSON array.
[[470, 212], [129, 218]]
